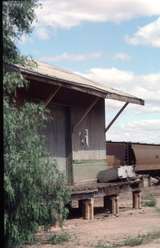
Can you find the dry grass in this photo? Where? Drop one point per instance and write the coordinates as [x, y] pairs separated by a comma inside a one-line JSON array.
[[131, 241]]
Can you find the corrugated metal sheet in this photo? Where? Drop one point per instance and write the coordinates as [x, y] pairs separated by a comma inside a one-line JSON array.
[[74, 79]]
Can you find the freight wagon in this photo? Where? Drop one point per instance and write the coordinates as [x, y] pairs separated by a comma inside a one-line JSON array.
[[145, 158]]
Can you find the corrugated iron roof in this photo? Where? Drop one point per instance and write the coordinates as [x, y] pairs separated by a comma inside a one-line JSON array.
[[54, 73]]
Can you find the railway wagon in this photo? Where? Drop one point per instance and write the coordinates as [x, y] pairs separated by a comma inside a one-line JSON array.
[[144, 157]]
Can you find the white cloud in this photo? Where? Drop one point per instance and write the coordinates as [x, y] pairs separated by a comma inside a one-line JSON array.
[[146, 131], [122, 56], [42, 33], [132, 125], [67, 14], [111, 76], [72, 57], [148, 35], [145, 124], [84, 56], [146, 86]]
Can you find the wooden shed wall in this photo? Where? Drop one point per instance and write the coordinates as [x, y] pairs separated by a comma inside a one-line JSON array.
[[78, 163], [88, 160], [55, 133]]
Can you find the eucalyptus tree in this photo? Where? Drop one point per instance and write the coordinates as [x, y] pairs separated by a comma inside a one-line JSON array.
[[35, 191]]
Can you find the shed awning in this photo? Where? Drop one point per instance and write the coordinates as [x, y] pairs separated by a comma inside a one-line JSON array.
[[51, 74]]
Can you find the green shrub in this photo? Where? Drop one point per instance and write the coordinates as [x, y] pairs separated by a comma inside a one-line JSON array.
[[35, 191], [133, 241], [59, 238], [106, 246], [158, 210], [150, 201]]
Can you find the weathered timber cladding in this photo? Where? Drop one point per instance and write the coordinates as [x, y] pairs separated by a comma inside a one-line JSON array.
[[89, 159], [94, 122], [78, 162], [56, 137]]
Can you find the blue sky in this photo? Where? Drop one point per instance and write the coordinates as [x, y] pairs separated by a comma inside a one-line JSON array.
[[114, 42]]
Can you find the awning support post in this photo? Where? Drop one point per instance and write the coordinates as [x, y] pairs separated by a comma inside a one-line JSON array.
[[115, 118]]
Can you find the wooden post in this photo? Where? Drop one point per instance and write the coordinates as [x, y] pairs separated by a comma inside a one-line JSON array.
[[88, 209], [139, 200], [136, 199], [92, 209], [115, 118], [116, 205], [111, 203], [142, 181], [149, 181]]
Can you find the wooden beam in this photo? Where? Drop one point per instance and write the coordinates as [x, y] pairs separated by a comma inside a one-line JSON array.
[[115, 118], [136, 199], [125, 98], [64, 83], [88, 209], [86, 113], [50, 98]]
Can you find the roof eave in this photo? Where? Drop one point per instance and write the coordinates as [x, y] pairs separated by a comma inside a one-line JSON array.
[[83, 88], [123, 98]]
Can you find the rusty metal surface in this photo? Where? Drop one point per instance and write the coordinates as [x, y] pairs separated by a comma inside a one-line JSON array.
[[147, 155]]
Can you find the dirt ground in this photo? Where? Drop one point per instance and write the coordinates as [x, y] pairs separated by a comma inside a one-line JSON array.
[[106, 228]]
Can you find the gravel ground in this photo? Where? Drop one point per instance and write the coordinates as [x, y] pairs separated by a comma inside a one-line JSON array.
[[106, 228]]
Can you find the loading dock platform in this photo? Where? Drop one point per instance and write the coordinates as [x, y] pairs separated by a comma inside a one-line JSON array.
[[85, 195]]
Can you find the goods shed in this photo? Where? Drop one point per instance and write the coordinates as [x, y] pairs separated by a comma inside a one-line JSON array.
[[76, 133]]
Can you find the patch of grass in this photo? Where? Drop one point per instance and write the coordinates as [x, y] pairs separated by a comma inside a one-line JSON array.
[[152, 236], [59, 238], [100, 245], [158, 210], [131, 241], [150, 201]]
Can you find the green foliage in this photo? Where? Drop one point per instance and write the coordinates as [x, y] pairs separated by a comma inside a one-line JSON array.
[[101, 245], [158, 210], [17, 19], [59, 238], [35, 191], [150, 201], [132, 241]]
